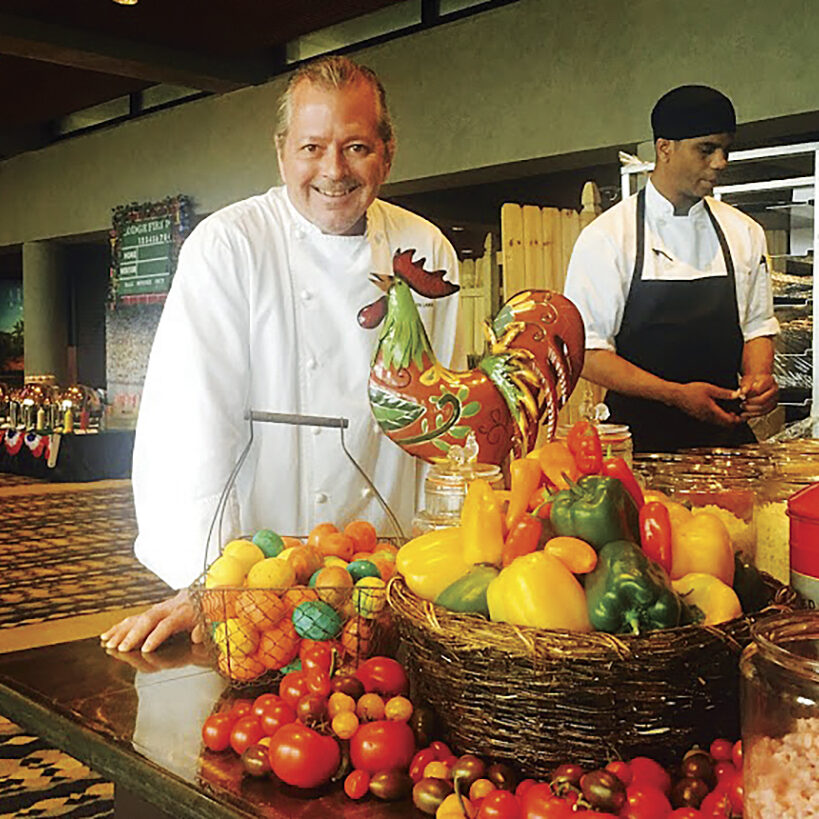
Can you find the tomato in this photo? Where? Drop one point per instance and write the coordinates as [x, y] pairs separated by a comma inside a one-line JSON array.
[[357, 784], [216, 731], [293, 687], [275, 715], [316, 654], [499, 805], [716, 805], [241, 708], [262, 702], [736, 754], [721, 750], [383, 745], [539, 802], [524, 786], [647, 772], [419, 762], [736, 792], [645, 802], [383, 675], [724, 770], [685, 813], [302, 757], [621, 770], [246, 731]]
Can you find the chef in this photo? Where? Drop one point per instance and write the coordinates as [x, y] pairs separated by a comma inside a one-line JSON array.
[[263, 315], [675, 292]]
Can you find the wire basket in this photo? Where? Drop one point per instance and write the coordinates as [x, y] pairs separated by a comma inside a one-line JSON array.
[[255, 634], [539, 698]]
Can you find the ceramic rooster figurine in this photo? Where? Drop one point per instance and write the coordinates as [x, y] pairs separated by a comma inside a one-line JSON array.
[[536, 345]]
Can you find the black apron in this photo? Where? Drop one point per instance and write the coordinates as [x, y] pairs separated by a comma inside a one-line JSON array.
[[681, 331]]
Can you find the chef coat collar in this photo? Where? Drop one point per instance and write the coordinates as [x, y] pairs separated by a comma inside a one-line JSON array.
[[658, 205], [373, 223]]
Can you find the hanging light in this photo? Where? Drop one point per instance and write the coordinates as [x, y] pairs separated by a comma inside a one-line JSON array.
[[126, 2]]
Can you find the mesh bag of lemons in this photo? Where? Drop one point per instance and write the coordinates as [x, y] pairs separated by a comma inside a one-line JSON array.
[[268, 597]]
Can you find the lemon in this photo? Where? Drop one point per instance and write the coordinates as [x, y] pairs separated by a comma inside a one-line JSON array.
[[245, 552], [332, 560], [271, 573], [236, 636], [225, 571], [284, 554], [369, 596]]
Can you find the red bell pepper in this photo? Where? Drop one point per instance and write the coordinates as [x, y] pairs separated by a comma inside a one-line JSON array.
[[584, 443], [616, 467], [523, 538], [655, 533]]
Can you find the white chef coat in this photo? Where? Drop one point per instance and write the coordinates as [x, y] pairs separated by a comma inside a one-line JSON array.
[[262, 315], [677, 248]]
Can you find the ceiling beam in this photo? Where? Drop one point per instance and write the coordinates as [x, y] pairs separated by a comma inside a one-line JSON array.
[[95, 51]]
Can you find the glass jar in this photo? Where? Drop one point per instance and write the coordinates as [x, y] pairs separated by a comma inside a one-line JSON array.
[[444, 492], [779, 696]]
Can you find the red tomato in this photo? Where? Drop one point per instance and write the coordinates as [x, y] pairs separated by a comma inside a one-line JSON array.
[[621, 770], [721, 749], [736, 792], [384, 676], [316, 654], [357, 784], [241, 708], [293, 687], [645, 802], [383, 745], [264, 701], [246, 732], [647, 772], [317, 681], [716, 804], [685, 813], [302, 757], [441, 749], [524, 786], [216, 731], [736, 754], [499, 805], [419, 762], [539, 802], [724, 770], [275, 715]]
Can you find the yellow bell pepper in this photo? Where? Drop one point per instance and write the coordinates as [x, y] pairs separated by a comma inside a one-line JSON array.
[[716, 600], [538, 590], [702, 544], [482, 524], [431, 562]]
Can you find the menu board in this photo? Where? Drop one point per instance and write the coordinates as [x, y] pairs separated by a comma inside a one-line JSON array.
[[145, 242]]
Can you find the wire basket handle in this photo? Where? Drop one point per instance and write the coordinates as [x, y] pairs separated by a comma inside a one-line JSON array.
[[291, 419]]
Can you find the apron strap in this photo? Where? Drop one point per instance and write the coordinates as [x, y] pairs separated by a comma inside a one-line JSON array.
[[640, 231], [723, 243]]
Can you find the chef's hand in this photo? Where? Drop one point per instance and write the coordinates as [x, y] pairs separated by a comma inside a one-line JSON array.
[[173, 654], [151, 628], [759, 394], [699, 399]]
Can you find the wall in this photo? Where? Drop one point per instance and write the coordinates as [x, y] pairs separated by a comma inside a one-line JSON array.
[[534, 79]]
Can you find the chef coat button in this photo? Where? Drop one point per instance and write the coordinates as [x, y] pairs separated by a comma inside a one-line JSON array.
[[321, 497], [312, 363], [306, 295], [366, 492]]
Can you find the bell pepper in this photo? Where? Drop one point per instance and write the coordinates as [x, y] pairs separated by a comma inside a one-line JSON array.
[[557, 463], [616, 467], [597, 509], [584, 443], [717, 601], [628, 593], [468, 593], [431, 562], [525, 476], [538, 590], [522, 538], [703, 545], [749, 586], [655, 533], [575, 554], [482, 524]]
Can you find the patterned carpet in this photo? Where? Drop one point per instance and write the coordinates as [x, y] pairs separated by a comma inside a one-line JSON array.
[[65, 550]]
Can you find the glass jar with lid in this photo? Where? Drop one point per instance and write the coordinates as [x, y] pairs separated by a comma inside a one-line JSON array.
[[779, 695]]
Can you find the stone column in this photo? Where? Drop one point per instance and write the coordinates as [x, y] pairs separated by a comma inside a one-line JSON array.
[[45, 310]]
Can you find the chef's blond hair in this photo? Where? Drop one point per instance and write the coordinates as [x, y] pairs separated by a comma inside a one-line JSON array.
[[336, 72]]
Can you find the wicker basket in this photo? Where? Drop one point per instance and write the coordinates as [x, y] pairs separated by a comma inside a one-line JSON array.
[[539, 698]]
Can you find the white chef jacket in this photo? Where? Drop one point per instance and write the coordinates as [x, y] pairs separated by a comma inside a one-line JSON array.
[[262, 315], [677, 248]]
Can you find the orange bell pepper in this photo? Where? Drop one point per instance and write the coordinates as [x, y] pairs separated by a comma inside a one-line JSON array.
[[525, 476], [557, 462]]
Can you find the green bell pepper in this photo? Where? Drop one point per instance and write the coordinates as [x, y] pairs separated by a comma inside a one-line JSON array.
[[627, 592], [597, 509], [468, 593]]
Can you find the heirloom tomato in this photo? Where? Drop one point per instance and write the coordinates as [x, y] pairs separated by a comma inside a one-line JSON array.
[[216, 731], [382, 746], [383, 675], [302, 757]]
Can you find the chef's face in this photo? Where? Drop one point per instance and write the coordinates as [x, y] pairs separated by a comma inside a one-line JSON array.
[[694, 165], [332, 158]]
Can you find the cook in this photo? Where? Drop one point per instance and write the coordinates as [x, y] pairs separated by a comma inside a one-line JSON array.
[[675, 293]]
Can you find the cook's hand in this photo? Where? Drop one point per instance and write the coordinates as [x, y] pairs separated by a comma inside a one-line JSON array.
[[760, 394], [151, 628], [699, 399], [174, 654]]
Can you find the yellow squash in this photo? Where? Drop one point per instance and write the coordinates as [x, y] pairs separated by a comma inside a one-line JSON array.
[[431, 562]]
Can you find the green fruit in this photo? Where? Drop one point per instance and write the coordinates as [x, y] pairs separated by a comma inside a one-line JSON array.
[[316, 620], [269, 542], [362, 568]]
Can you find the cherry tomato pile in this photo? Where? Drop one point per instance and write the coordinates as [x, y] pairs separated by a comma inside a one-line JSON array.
[[706, 784]]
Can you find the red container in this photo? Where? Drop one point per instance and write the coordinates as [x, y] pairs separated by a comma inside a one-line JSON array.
[[803, 511]]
